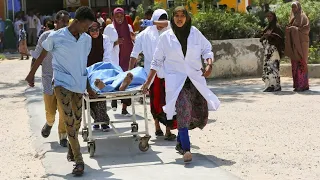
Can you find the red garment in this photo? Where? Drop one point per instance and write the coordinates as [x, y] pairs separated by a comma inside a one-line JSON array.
[[300, 75], [127, 46], [129, 20], [158, 100]]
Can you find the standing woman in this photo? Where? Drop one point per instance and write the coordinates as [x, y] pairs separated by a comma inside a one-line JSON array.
[[100, 51], [179, 53], [273, 43], [121, 36], [10, 39], [297, 46]]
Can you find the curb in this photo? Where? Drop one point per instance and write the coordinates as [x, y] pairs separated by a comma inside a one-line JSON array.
[[313, 70]]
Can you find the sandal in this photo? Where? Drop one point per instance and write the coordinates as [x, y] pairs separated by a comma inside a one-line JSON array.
[[70, 156], [170, 137], [187, 157], [159, 133], [78, 169], [179, 149], [46, 130]]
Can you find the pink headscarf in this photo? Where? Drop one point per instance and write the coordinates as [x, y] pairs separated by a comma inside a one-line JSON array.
[[123, 32]]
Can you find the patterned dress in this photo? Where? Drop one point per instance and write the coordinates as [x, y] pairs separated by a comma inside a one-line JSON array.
[[271, 66]]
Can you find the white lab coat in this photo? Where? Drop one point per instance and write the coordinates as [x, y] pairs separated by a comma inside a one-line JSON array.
[[177, 67], [146, 42], [107, 46], [112, 33]]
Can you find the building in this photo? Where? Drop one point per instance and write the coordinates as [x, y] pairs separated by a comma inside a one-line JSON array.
[[8, 8]]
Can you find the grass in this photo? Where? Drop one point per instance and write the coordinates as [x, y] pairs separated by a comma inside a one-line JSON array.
[[2, 57]]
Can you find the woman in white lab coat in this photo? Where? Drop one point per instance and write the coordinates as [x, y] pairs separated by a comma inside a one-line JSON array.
[[179, 53], [146, 43]]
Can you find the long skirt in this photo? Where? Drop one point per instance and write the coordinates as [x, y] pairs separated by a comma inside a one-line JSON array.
[[158, 100], [191, 107], [271, 67], [23, 48], [300, 75], [98, 111]]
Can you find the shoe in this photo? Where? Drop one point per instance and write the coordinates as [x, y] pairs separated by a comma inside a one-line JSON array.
[[64, 142], [170, 137], [269, 89], [125, 113], [96, 127], [179, 149], [187, 157], [105, 128], [159, 133], [78, 169], [46, 130]]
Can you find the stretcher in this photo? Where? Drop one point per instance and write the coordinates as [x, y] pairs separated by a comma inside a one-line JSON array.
[[87, 133]]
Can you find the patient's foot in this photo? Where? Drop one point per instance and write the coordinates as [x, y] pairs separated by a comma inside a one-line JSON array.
[[126, 82], [99, 84]]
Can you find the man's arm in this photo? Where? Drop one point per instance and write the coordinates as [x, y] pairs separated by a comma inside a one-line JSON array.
[[34, 68]]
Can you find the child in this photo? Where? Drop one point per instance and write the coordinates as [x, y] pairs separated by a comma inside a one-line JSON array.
[[70, 47], [23, 49]]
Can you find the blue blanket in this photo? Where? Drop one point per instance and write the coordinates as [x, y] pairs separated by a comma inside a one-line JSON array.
[[112, 76]]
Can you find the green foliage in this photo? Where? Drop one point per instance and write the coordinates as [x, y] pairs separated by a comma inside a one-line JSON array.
[[2, 57], [314, 54], [218, 25], [141, 11]]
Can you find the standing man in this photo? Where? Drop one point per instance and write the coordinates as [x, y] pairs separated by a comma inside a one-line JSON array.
[[49, 98], [33, 23], [70, 47], [146, 43]]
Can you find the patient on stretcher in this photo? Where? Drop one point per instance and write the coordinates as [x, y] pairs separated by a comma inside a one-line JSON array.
[[107, 77]]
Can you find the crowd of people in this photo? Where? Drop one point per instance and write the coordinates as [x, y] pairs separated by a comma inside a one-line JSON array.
[[173, 50]]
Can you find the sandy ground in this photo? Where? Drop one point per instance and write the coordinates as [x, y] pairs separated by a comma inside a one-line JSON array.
[[18, 157], [254, 135], [259, 135]]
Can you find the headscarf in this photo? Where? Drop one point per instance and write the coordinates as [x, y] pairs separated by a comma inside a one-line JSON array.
[[126, 47], [97, 50], [136, 24], [295, 18], [277, 35], [157, 13], [182, 33]]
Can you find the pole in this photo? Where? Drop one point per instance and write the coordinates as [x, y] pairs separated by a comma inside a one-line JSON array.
[[12, 10], [237, 5], [89, 2]]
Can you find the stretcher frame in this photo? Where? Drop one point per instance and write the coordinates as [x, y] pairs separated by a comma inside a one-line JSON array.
[[87, 133]]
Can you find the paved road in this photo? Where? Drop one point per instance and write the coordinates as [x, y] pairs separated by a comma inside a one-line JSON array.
[[118, 159]]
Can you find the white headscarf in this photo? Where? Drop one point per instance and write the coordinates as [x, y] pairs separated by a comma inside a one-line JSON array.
[[157, 13]]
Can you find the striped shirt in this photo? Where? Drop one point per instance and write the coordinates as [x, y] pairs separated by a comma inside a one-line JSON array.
[[47, 72]]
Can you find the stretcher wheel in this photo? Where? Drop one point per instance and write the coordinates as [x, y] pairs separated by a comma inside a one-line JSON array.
[[144, 146], [85, 134], [91, 148], [134, 127]]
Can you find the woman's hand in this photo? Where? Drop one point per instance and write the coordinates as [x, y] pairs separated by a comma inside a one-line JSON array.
[[146, 23], [207, 71], [145, 87], [133, 36]]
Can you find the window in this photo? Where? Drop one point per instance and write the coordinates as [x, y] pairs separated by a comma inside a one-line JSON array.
[[170, 3]]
